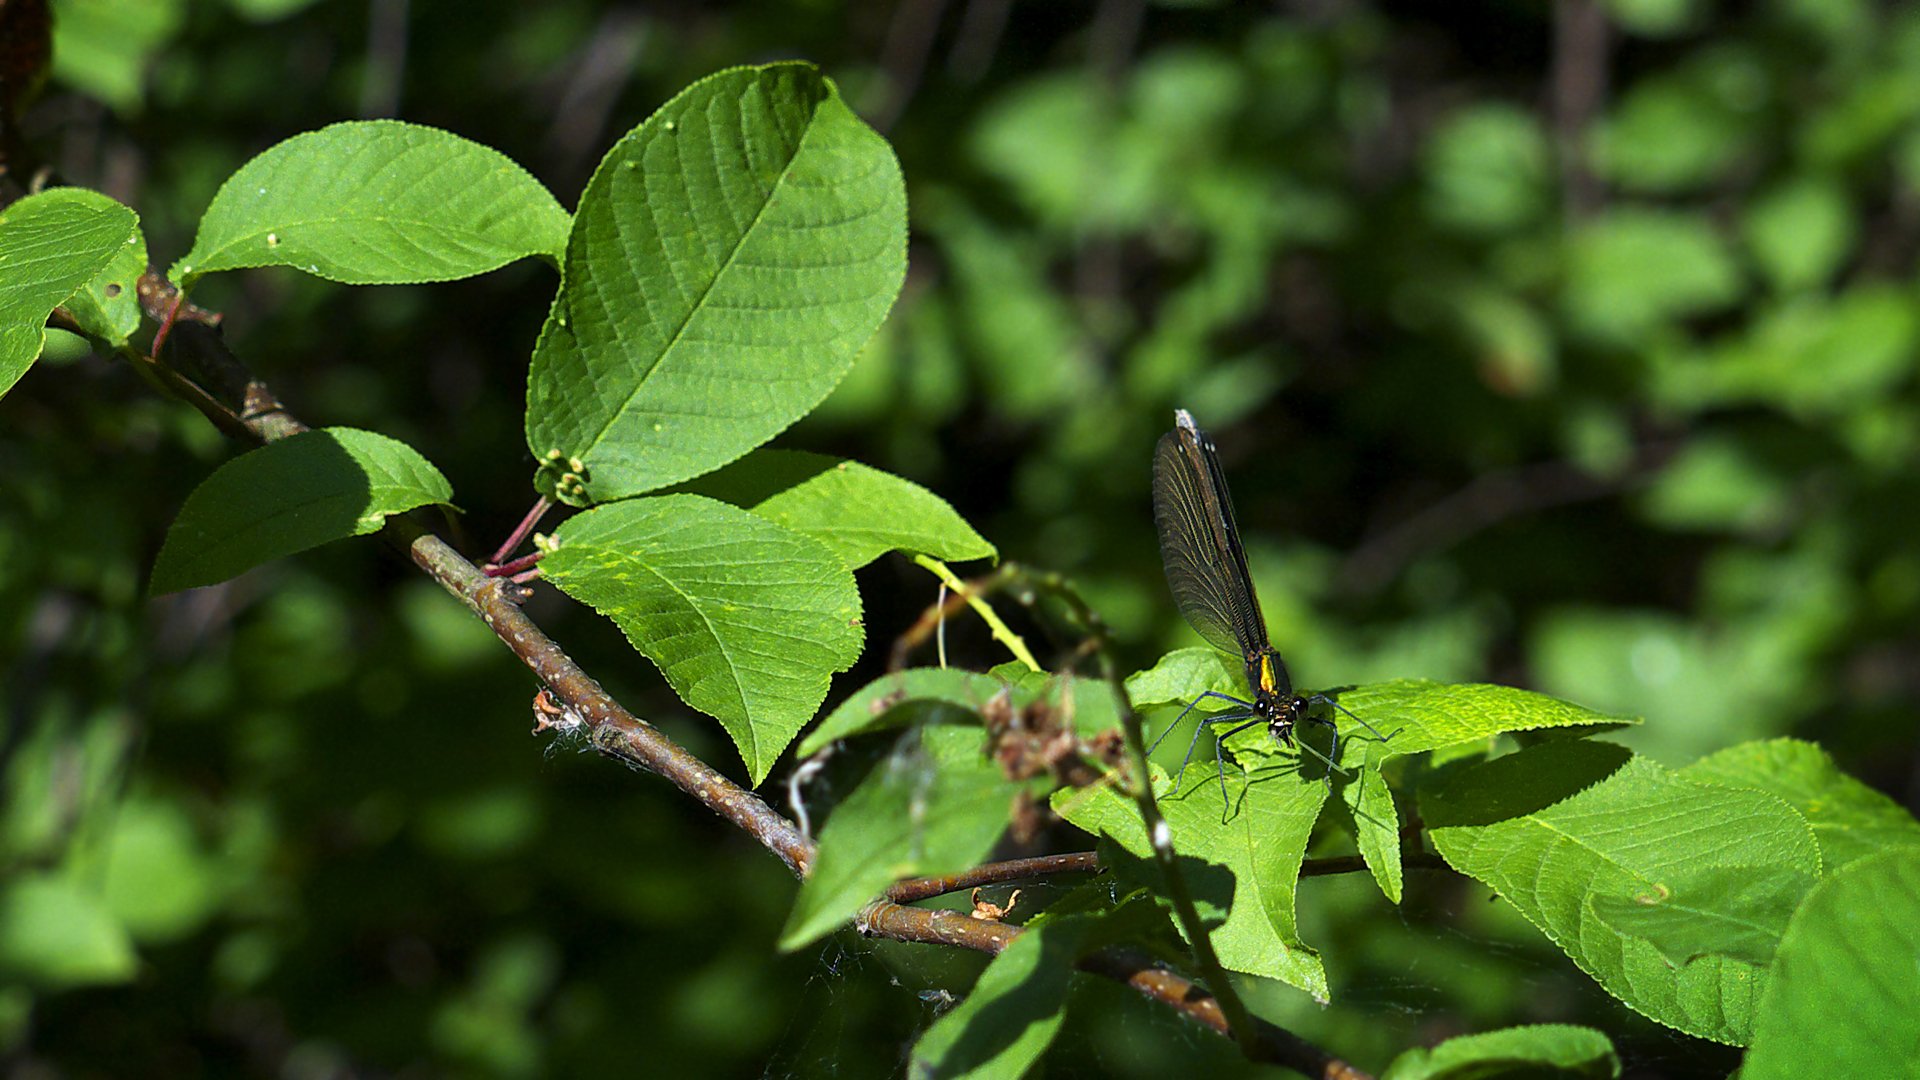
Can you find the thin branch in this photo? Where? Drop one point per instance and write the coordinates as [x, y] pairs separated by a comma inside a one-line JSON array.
[[1160, 837], [1131, 966], [911, 889], [237, 403], [1579, 90]]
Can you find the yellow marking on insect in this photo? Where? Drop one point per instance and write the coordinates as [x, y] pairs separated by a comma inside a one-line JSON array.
[[1266, 673]]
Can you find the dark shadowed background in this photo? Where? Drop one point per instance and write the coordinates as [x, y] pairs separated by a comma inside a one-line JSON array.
[[1569, 345]]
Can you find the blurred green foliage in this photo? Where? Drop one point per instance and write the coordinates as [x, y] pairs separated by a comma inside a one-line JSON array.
[[1613, 400]]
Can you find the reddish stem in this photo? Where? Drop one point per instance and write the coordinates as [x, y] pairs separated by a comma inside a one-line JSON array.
[[166, 324], [517, 566], [519, 534]]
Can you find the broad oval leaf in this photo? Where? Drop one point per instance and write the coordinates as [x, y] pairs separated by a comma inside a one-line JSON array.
[[1558, 825], [1014, 1009], [1843, 992], [934, 806], [1537, 1050], [878, 705], [1242, 861], [1709, 910], [376, 202], [108, 307], [291, 495], [55, 934], [857, 510], [747, 620], [1420, 716], [51, 244], [730, 257], [1850, 819]]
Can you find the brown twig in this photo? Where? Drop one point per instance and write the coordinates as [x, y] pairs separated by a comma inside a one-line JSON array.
[[237, 403], [1133, 967], [1579, 91], [910, 889]]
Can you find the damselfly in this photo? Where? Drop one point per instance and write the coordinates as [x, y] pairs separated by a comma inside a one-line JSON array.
[[1207, 571]]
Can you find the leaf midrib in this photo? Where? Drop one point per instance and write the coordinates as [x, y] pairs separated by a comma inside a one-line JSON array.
[[693, 309]]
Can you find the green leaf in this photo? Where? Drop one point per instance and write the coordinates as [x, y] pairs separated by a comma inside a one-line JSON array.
[[1376, 827], [1242, 862], [934, 806], [376, 202], [747, 620], [1800, 232], [158, 883], [1672, 132], [108, 307], [730, 257], [102, 47], [1557, 825], [291, 495], [1538, 1050], [1417, 717], [858, 511], [54, 934], [1736, 911], [1013, 1011], [1843, 993], [1489, 169], [1716, 483], [925, 695], [1184, 674], [51, 244], [1632, 270], [1850, 819], [1810, 356]]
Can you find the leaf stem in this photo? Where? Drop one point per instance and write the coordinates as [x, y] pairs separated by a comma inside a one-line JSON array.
[[519, 534], [203, 371], [1001, 633]]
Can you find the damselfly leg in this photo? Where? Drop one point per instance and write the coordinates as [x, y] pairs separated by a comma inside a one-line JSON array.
[[1245, 714]]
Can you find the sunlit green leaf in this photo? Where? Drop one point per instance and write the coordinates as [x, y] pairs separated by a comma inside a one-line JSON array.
[[51, 245], [1537, 1051], [1634, 269], [376, 202], [102, 47], [880, 705], [1240, 853], [1489, 168], [934, 806], [1800, 232], [291, 495], [746, 619], [730, 257], [1733, 911], [1850, 819], [1842, 995], [1558, 825], [52, 933], [108, 307], [159, 881], [858, 511], [1013, 1011]]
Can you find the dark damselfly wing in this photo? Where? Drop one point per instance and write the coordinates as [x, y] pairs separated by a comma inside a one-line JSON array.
[[1200, 544]]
